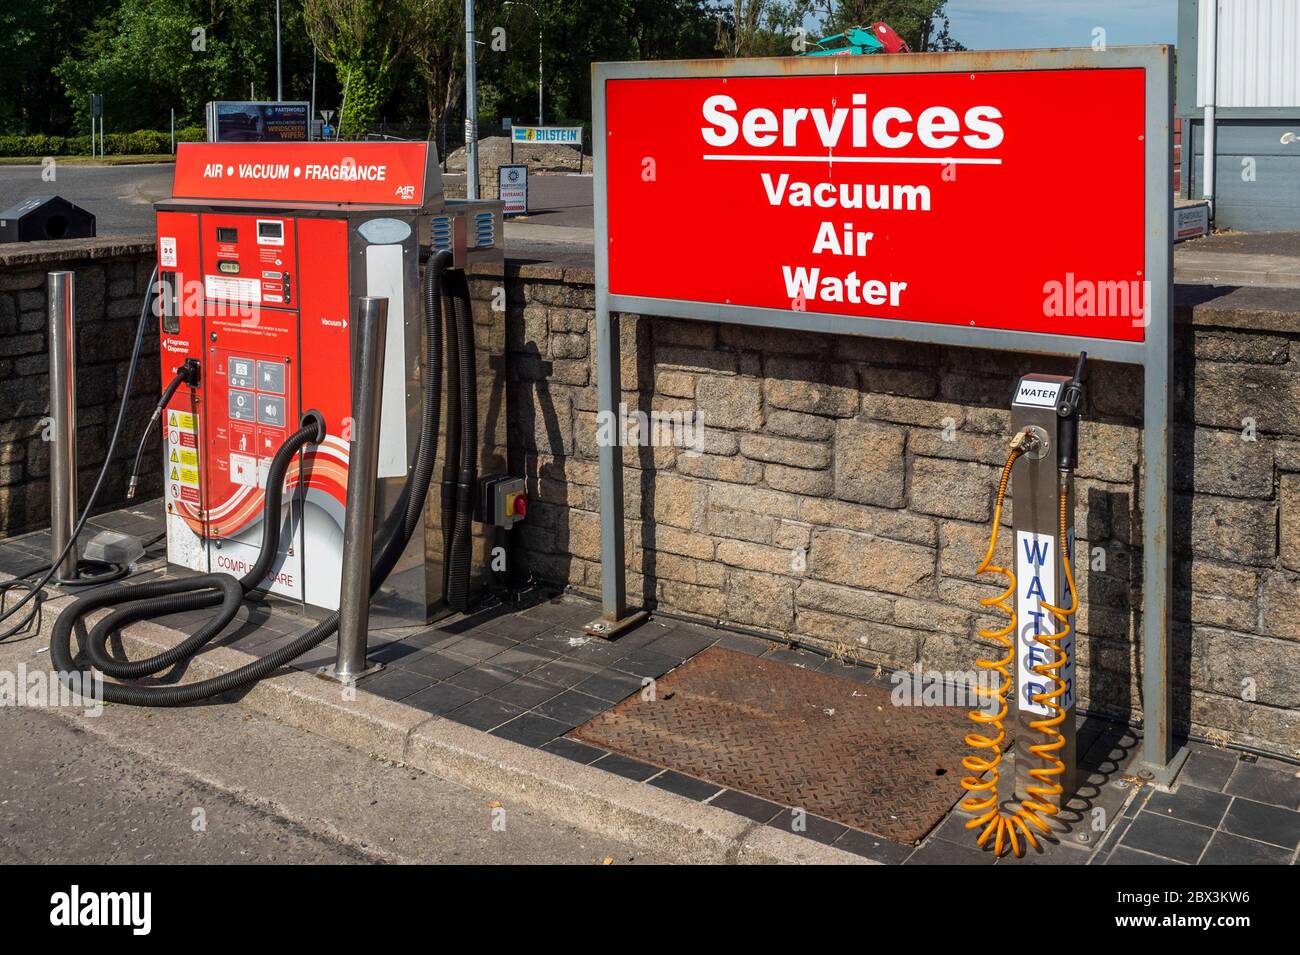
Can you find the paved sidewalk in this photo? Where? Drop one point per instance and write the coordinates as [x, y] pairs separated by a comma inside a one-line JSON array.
[[1240, 258]]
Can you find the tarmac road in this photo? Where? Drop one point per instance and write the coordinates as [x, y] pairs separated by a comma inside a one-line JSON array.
[[122, 197], [216, 784]]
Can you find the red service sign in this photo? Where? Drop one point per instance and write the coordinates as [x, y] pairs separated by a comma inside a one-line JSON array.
[[381, 173], [995, 200]]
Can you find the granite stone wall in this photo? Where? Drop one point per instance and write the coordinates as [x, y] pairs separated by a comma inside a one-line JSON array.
[[841, 490], [111, 277]]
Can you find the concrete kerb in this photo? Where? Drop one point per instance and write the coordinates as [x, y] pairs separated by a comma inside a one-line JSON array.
[[584, 796]]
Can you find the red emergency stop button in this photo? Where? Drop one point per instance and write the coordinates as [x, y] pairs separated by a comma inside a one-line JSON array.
[[517, 505]]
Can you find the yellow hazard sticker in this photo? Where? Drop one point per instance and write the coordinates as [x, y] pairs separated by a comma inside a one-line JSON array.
[[180, 419], [185, 456]]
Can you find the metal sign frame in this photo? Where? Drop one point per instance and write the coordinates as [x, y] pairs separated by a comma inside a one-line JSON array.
[[1153, 355]]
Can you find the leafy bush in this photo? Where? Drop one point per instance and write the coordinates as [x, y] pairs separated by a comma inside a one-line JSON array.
[[142, 142]]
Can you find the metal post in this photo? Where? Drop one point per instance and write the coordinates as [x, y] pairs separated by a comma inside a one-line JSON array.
[[279, 79], [173, 131], [368, 337], [471, 106], [61, 290], [1040, 579]]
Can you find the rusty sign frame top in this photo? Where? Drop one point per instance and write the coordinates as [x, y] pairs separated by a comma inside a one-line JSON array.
[[1153, 355]]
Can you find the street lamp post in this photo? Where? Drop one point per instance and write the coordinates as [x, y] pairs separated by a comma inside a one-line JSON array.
[[538, 15]]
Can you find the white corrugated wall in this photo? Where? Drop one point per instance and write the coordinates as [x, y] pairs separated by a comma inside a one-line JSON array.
[[1259, 53]]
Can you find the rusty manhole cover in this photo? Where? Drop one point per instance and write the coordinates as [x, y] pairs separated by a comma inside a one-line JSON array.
[[832, 747]]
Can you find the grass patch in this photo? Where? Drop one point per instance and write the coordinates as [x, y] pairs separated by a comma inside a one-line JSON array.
[[87, 160]]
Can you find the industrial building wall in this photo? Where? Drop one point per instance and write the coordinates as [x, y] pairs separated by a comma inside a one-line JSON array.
[[1257, 172], [1257, 166], [1257, 47], [842, 488]]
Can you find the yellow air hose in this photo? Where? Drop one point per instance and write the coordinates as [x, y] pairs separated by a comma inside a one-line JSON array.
[[996, 824]]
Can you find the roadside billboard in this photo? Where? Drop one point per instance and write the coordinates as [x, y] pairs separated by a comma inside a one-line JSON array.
[[258, 122]]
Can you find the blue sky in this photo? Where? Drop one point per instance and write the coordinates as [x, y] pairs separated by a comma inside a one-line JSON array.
[[1015, 24]]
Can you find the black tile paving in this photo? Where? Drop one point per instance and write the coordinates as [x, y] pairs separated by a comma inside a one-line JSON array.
[[574, 750], [751, 807], [1190, 804], [1227, 849], [684, 785], [1265, 784], [441, 698], [484, 713], [812, 827], [1265, 823], [626, 766], [531, 730], [1173, 838]]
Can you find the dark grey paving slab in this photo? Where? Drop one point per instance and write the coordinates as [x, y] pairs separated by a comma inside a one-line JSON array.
[[808, 826], [484, 713], [1208, 768], [526, 692], [646, 663], [743, 804], [1265, 784], [1265, 823], [531, 730], [1160, 835], [440, 699], [873, 847], [394, 684], [754, 646], [626, 767], [943, 852], [1227, 849], [572, 707], [683, 642], [435, 664], [1122, 855], [1201, 806], [482, 679], [574, 750], [521, 660], [684, 785], [611, 686], [565, 673]]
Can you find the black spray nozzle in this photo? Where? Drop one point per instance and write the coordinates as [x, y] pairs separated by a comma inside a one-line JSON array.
[[1067, 409]]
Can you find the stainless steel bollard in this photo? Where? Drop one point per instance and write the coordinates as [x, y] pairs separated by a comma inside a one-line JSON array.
[[369, 335], [61, 292]]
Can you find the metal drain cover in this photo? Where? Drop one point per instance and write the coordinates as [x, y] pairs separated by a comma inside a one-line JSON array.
[[833, 747]]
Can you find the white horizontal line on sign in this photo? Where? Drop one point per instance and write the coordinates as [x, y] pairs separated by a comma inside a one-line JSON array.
[[935, 160]]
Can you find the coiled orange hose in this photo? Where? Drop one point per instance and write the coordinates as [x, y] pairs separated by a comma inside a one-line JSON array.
[[1003, 828]]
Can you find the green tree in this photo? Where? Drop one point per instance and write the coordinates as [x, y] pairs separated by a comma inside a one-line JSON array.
[[35, 35], [151, 56], [366, 40]]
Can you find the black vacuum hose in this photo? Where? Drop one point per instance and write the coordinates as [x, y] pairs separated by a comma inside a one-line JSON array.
[[451, 453], [467, 473], [172, 596]]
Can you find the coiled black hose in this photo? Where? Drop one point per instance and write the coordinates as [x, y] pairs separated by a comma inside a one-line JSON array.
[[467, 473], [173, 596]]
